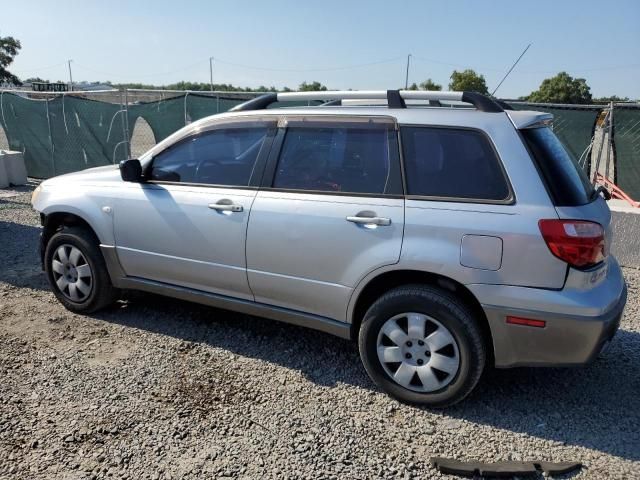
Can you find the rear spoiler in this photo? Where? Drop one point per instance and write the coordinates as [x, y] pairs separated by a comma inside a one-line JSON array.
[[529, 119]]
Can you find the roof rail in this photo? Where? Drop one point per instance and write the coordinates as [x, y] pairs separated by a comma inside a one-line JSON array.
[[395, 98]]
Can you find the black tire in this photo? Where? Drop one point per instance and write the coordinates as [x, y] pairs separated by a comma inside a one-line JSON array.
[[102, 293], [449, 311]]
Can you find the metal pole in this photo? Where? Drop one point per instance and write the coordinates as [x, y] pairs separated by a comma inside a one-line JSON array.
[[53, 160], [70, 76], [406, 77], [125, 122], [609, 139], [211, 72], [597, 169]]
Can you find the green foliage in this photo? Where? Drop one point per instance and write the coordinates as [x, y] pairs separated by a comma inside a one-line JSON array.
[[468, 80], [9, 48], [612, 98], [562, 88], [198, 87], [311, 87], [35, 80], [429, 84]]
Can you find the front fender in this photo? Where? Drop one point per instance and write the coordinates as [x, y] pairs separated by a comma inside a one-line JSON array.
[[94, 207]]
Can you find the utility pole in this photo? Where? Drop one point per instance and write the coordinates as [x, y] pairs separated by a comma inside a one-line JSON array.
[[406, 78], [211, 72], [70, 77]]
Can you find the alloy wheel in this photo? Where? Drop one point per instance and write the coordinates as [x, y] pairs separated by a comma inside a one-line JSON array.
[[72, 273], [418, 352]]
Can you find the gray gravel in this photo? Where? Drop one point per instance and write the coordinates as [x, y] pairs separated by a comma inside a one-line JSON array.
[[156, 388]]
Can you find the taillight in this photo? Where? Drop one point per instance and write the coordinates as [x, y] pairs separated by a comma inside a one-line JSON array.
[[577, 242]]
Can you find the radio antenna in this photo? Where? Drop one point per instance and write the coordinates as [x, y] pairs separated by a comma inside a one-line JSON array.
[[512, 67]]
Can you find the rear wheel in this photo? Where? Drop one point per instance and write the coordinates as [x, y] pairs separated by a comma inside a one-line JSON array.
[[422, 345], [77, 272]]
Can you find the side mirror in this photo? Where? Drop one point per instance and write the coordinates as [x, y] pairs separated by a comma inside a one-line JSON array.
[[131, 170]]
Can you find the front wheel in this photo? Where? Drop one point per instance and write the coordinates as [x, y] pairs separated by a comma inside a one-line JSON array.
[[422, 345], [77, 272]]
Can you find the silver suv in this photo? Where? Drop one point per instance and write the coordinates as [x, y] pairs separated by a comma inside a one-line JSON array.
[[441, 230]]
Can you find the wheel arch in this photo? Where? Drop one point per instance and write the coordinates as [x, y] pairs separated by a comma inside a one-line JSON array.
[[385, 281]]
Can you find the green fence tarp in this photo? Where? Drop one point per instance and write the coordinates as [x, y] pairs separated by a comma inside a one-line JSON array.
[[573, 126], [63, 134], [626, 140], [27, 129], [69, 133], [168, 115]]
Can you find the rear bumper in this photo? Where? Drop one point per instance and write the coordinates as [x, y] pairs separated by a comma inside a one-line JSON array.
[[579, 323]]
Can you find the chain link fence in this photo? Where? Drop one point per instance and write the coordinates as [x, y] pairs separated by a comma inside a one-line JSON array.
[[65, 132]]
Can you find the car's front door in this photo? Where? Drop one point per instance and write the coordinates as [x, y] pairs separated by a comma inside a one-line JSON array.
[[187, 224], [331, 212]]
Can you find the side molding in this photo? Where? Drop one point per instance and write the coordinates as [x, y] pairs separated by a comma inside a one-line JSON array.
[[316, 322]]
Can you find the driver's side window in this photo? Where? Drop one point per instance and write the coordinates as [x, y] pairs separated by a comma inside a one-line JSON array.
[[225, 156]]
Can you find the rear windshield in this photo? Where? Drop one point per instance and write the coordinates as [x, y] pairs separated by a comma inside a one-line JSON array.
[[567, 182]]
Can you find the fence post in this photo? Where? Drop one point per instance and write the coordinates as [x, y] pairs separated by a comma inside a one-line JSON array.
[[185, 108], [53, 160], [124, 106], [609, 139]]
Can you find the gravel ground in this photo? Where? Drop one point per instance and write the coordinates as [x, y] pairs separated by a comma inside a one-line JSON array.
[[156, 388]]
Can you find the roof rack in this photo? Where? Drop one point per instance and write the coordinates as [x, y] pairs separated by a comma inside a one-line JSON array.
[[395, 98]]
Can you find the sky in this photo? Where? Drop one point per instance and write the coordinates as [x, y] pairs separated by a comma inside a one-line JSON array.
[[343, 44]]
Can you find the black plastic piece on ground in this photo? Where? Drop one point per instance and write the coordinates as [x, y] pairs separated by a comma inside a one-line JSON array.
[[501, 469], [481, 102], [394, 100], [258, 103]]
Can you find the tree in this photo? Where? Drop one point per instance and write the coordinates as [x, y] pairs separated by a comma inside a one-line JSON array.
[[612, 98], [429, 84], [468, 80], [9, 48], [311, 87], [34, 80], [562, 88]]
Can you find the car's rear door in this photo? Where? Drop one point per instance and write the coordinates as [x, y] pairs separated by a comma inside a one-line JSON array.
[[330, 211], [186, 226]]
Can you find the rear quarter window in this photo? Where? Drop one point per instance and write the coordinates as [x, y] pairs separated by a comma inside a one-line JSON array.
[[452, 163], [567, 182]]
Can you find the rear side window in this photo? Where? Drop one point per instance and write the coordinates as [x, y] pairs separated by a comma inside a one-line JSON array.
[[226, 156], [452, 164], [350, 159], [567, 182]]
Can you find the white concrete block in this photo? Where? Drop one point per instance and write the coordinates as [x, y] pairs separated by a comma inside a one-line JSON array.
[[14, 166]]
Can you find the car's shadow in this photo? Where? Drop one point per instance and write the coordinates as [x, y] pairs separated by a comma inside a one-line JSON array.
[[593, 406], [19, 262]]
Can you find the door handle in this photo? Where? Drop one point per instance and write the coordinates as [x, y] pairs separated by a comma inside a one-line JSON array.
[[226, 207], [383, 222]]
